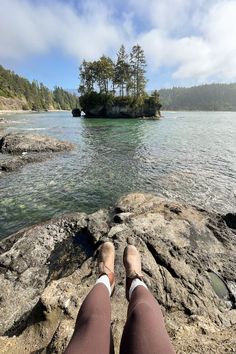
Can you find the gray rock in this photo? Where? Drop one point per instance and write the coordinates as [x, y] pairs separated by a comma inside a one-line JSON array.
[[98, 224], [123, 110], [20, 143], [15, 163], [28, 149], [47, 270]]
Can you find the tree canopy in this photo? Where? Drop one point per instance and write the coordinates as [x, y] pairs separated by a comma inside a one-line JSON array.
[[124, 77], [211, 97], [36, 96]]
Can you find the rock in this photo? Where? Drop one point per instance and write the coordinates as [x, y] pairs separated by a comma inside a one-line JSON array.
[[14, 104], [28, 149], [19, 143], [46, 270], [123, 111], [76, 112], [98, 224], [15, 163]]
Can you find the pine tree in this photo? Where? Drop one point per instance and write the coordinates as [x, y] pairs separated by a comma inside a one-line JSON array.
[[87, 77], [122, 71], [138, 64], [104, 74]]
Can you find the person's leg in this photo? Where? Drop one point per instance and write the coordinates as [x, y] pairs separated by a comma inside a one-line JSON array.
[[144, 331], [92, 332]]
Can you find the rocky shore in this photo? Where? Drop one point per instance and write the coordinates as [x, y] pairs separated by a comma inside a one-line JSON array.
[[188, 259], [18, 149], [123, 111]]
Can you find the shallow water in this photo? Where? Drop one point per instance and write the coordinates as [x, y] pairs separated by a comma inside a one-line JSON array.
[[188, 156]]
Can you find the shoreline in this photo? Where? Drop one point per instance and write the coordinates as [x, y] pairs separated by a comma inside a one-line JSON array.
[[20, 111]]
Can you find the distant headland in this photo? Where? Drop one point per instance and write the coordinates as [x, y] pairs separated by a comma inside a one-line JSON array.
[[19, 94]]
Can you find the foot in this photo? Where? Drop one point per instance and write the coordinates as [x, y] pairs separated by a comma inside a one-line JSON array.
[[106, 260], [133, 267]]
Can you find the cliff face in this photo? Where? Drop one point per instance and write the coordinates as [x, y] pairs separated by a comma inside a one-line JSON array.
[[188, 259], [124, 111], [12, 104]]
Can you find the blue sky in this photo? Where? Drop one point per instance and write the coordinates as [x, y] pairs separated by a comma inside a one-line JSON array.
[[186, 42]]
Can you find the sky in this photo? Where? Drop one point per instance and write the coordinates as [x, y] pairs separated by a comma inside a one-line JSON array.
[[186, 42]]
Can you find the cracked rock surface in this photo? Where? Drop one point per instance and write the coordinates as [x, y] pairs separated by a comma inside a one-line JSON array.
[[188, 259]]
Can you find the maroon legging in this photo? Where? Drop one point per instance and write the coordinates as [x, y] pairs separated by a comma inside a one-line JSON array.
[[144, 331]]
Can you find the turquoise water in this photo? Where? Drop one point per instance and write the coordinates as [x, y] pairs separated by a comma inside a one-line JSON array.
[[188, 156]]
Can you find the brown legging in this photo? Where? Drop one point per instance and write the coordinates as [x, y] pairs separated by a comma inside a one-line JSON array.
[[144, 331]]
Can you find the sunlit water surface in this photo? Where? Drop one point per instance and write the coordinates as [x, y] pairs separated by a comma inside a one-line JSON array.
[[187, 156]]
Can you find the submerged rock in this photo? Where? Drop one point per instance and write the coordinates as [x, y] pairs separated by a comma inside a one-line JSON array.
[[27, 149], [16, 162], [189, 261], [20, 143]]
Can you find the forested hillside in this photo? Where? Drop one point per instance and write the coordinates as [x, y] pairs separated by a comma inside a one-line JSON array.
[[32, 95], [213, 97]]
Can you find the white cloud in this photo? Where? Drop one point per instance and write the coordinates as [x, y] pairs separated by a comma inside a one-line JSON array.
[[208, 55], [193, 38], [29, 28], [162, 14]]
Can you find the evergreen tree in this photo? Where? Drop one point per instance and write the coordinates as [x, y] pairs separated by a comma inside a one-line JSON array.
[[138, 64], [104, 74], [97, 75], [34, 96], [87, 77], [218, 97], [122, 72]]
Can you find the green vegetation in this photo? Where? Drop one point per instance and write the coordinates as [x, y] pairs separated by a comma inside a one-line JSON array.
[[107, 83], [214, 97], [34, 95]]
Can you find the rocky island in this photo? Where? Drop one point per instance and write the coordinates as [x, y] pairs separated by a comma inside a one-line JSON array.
[[117, 89], [188, 259]]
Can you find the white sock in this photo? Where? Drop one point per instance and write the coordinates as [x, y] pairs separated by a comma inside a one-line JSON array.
[[104, 280], [136, 282]]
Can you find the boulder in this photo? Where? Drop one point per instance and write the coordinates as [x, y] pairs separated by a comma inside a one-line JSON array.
[[76, 112], [188, 260], [15, 163], [19, 149], [20, 143]]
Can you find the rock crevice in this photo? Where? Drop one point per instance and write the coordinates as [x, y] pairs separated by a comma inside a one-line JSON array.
[[46, 271]]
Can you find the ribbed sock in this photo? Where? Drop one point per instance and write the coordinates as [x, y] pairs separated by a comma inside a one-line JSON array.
[[103, 279], [136, 282]]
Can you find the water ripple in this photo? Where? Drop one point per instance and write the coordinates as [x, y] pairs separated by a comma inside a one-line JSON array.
[[185, 156]]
